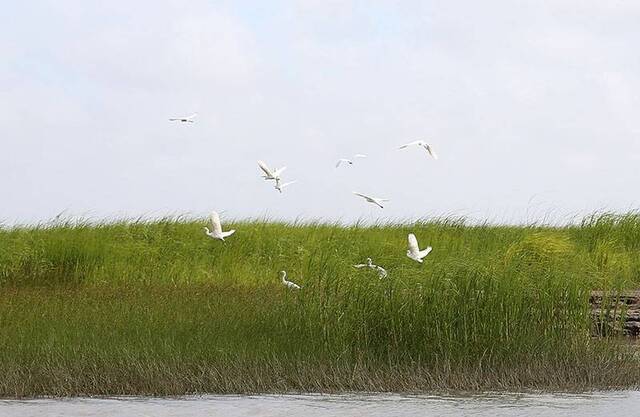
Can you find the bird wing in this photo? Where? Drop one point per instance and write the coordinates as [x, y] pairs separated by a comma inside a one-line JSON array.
[[406, 145], [360, 266], [429, 149], [288, 183], [425, 252], [338, 163], [216, 227], [362, 195], [265, 169], [413, 243], [279, 171]]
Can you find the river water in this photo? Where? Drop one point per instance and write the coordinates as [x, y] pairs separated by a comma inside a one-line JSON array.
[[618, 404]]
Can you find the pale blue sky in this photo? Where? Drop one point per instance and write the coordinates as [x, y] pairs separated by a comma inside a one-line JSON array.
[[533, 107]]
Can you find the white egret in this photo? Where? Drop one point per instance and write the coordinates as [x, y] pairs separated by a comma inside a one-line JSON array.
[[184, 119], [216, 228], [414, 251], [382, 273], [428, 147], [369, 264], [280, 187], [349, 161], [270, 174], [288, 284], [374, 200]]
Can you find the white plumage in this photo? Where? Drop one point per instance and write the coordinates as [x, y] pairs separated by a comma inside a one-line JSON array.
[[349, 161], [382, 273], [288, 284], [270, 174], [369, 264], [216, 228], [428, 147], [414, 251], [184, 119], [280, 186], [373, 200]]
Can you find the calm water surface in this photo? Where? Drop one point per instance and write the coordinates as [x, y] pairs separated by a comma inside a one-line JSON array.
[[618, 404]]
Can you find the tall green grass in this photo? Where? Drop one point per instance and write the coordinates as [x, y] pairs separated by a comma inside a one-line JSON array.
[[158, 308]]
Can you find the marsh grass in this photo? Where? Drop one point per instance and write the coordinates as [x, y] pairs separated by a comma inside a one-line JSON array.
[[156, 308]]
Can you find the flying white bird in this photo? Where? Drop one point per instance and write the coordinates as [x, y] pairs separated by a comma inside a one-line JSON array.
[[279, 186], [184, 119], [414, 251], [349, 161], [374, 200], [288, 284], [216, 228], [423, 144], [270, 174], [382, 273]]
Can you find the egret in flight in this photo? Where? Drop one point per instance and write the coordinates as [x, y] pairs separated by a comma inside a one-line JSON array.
[[280, 186], [373, 200], [288, 284], [270, 174], [184, 119], [428, 147], [216, 228], [414, 251], [349, 161]]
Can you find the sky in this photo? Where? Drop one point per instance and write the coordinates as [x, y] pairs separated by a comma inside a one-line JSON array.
[[532, 106]]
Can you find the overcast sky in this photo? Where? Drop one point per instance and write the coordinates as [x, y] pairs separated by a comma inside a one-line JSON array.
[[532, 106]]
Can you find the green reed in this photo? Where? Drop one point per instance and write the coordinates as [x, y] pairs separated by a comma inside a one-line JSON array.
[[157, 308]]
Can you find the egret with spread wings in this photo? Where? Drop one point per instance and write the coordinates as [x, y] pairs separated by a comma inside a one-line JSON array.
[[216, 228], [428, 147], [414, 251]]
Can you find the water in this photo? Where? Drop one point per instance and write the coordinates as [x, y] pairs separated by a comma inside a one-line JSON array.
[[618, 404]]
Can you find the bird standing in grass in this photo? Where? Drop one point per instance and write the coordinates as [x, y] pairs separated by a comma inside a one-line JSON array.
[[414, 251], [288, 284], [216, 228]]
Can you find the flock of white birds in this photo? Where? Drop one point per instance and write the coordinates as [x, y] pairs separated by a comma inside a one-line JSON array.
[[214, 230]]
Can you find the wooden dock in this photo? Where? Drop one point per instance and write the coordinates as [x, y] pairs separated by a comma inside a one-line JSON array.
[[616, 312]]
